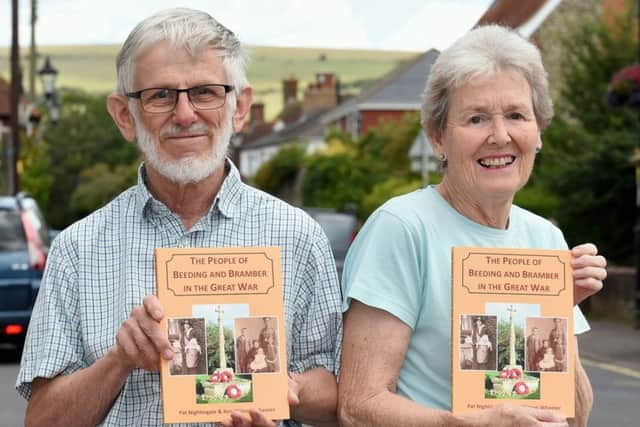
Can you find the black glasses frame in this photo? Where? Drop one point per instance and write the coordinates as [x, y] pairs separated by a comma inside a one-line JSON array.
[[138, 95]]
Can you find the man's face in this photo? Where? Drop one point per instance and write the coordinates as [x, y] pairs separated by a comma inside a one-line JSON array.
[[185, 145]]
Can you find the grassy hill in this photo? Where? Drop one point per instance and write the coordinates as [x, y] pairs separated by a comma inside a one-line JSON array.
[[92, 68]]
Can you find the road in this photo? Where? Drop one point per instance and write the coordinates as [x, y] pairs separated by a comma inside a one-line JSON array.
[[617, 394], [12, 405]]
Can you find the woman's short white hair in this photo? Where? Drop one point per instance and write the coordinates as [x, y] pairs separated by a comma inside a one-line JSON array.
[[482, 52], [188, 29]]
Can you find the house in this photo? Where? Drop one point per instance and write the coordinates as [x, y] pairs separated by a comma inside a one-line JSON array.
[[28, 114], [390, 98], [297, 123], [323, 108], [545, 22]]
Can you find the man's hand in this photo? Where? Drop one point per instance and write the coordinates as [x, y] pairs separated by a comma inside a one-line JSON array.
[[589, 270], [255, 418], [140, 341]]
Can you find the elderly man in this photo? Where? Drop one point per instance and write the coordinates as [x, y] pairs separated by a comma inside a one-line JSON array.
[[94, 345]]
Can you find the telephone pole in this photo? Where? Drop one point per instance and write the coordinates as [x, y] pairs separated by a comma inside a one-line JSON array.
[[13, 146], [33, 54]]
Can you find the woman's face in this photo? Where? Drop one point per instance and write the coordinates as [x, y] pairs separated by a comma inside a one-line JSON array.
[[491, 136]]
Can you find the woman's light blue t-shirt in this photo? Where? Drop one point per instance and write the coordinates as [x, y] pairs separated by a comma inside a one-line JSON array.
[[400, 262]]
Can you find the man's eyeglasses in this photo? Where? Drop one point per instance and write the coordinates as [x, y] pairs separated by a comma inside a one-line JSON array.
[[163, 100]]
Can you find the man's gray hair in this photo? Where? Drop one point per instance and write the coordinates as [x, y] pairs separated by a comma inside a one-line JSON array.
[[188, 29], [483, 52]]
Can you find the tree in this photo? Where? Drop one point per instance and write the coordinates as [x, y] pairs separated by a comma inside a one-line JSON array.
[[385, 190], [278, 175], [99, 184], [84, 136], [348, 172], [213, 351], [585, 159], [340, 180]]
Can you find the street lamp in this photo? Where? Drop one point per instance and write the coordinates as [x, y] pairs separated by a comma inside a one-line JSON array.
[[48, 75]]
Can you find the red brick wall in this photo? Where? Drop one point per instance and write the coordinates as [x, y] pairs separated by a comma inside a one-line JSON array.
[[369, 119]]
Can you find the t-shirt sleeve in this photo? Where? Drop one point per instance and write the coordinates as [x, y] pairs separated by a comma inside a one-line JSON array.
[[580, 324], [53, 345], [383, 270]]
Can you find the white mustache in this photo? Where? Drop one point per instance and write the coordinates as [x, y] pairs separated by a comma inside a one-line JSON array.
[[175, 130]]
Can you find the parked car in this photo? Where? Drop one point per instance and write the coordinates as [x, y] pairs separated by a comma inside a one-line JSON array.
[[24, 244], [340, 228]]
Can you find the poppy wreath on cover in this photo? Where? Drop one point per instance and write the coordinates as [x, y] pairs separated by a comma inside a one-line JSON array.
[[221, 377], [227, 376], [515, 373], [521, 388], [233, 391]]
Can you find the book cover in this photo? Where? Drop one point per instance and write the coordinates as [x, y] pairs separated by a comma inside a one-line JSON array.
[[224, 318], [512, 329]]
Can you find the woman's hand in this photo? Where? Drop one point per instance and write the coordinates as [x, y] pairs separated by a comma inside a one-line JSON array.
[[589, 270]]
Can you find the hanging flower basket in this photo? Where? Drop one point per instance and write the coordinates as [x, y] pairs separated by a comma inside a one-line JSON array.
[[624, 88]]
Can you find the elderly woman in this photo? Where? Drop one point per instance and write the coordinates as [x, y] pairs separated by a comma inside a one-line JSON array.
[[485, 105]]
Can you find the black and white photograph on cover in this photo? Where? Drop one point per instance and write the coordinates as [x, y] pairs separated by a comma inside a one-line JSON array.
[[546, 348], [257, 345], [188, 341], [478, 348]]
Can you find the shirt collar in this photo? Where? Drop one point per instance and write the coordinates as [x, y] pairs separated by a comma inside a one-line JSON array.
[[143, 197], [229, 196], [227, 201]]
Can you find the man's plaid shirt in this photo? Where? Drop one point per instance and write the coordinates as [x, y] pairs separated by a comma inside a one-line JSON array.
[[102, 266]]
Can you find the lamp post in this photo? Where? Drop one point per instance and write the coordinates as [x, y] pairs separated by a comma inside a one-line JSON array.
[[48, 75]]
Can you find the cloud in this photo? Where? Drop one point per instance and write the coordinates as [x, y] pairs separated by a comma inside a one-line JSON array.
[[438, 24], [365, 24]]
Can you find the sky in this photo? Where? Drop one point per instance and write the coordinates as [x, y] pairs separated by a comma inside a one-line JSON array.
[[522, 311], [410, 25]]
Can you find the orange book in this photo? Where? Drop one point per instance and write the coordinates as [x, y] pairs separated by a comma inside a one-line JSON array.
[[512, 329], [224, 318]]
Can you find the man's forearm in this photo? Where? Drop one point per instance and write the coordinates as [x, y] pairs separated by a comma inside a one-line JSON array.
[[82, 398], [318, 394]]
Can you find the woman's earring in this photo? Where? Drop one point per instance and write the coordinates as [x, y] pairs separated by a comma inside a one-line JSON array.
[[442, 157], [538, 148]]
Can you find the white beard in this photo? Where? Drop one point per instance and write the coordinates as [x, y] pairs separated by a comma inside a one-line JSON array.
[[191, 169]]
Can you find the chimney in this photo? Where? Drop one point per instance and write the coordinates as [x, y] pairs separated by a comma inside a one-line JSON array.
[[321, 94], [289, 90], [326, 80], [257, 113]]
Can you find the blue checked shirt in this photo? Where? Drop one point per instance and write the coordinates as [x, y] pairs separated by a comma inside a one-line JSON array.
[[103, 266]]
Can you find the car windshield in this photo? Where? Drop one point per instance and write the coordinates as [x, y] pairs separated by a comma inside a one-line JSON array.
[[12, 236], [339, 230]]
